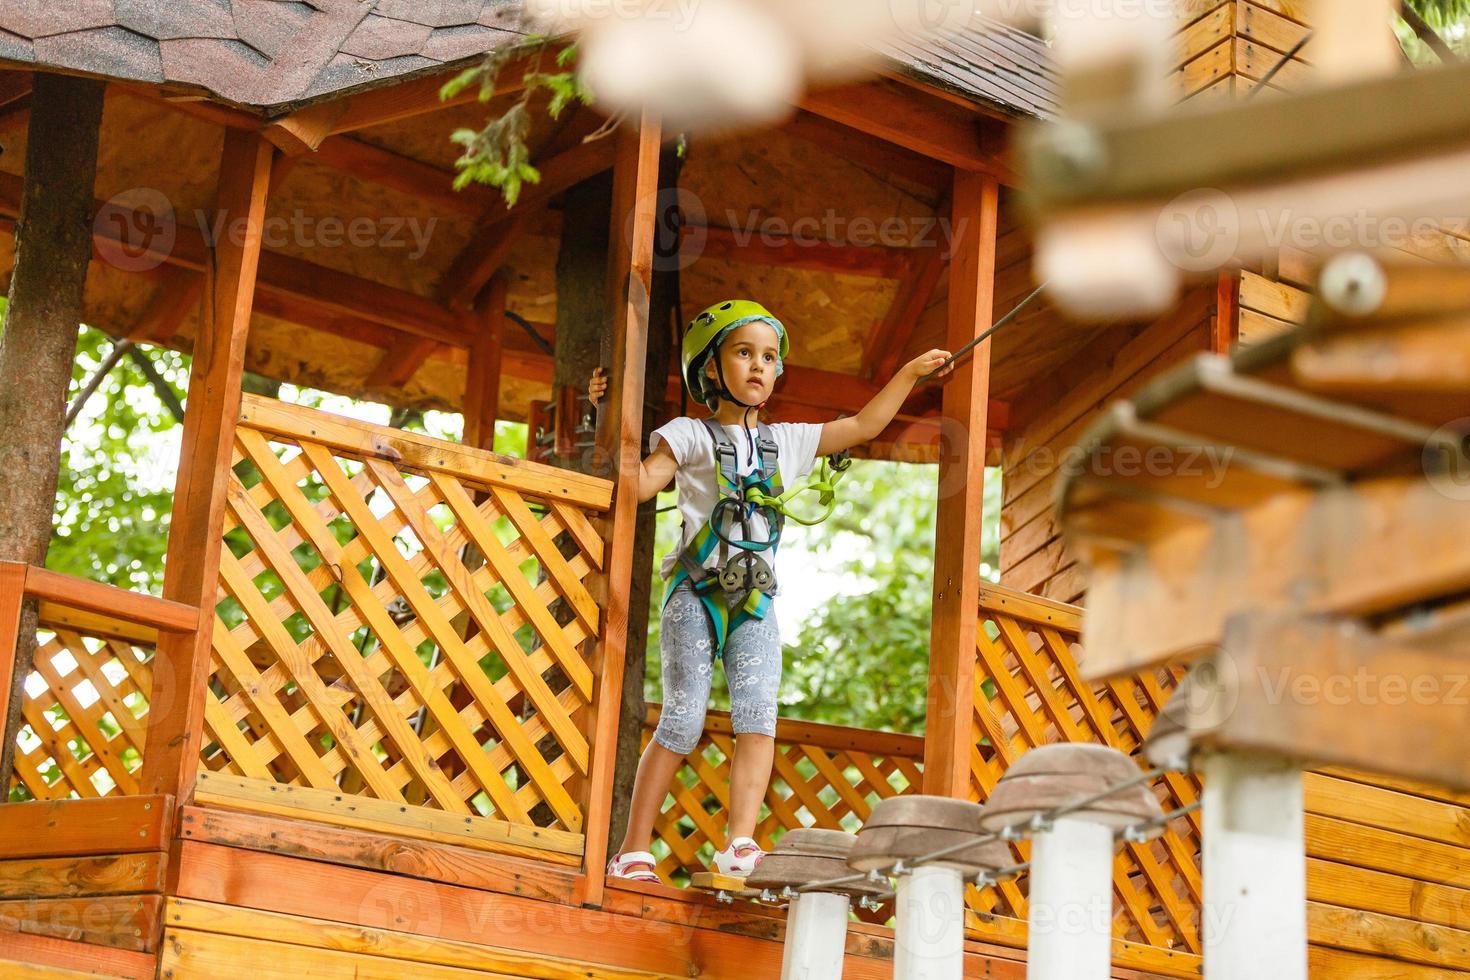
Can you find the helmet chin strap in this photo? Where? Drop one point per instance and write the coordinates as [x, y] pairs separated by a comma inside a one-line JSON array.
[[726, 393]]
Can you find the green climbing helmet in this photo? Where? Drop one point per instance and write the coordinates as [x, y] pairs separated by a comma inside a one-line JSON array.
[[705, 334]]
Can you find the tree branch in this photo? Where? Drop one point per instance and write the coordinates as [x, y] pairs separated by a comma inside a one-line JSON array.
[[161, 387], [1427, 34], [93, 383]]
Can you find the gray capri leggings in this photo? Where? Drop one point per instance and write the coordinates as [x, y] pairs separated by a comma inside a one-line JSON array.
[[687, 648]]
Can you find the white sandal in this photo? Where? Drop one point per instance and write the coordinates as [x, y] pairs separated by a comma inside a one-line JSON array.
[[635, 866], [740, 858]]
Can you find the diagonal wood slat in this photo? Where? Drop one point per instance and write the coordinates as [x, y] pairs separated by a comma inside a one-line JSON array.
[[1024, 655], [84, 715], [358, 651], [825, 776]]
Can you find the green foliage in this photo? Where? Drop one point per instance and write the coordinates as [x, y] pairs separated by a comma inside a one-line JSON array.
[[862, 658], [496, 154], [114, 491], [1442, 13], [119, 460], [1450, 19]]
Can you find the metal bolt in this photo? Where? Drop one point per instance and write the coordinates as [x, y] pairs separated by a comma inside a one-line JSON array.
[[1353, 284]]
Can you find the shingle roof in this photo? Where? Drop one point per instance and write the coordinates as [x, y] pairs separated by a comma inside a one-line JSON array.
[[273, 54], [987, 62]]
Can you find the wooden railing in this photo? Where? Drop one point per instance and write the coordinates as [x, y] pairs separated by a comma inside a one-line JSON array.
[[86, 702], [402, 635], [1028, 693], [824, 776]]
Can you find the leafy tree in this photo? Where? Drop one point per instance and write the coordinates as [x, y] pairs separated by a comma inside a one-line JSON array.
[[115, 488]]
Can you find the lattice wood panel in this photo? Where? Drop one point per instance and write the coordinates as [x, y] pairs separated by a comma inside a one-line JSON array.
[[824, 776], [403, 619], [84, 715], [1028, 693]]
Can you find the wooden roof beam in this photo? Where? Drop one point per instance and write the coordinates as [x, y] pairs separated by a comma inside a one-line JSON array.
[[191, 103], [908, 118], [489, 247], [887, 340], [797, 251], [431, 185], [418, 96], [177, 296], [866, 150], [319, 288]]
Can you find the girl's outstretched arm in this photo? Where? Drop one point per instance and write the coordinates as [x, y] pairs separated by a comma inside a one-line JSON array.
[[658, 467], [877, 413]]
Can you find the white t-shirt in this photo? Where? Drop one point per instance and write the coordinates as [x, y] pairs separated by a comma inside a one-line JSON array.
[[694, 448]]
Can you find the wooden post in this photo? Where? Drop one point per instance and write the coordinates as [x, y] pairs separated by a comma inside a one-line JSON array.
[[482, 382], [12, 595], [620, 440], [1225, 325], [191, 573], [956, 610]]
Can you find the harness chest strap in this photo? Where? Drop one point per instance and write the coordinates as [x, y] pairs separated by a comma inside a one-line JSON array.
[[765, 480]]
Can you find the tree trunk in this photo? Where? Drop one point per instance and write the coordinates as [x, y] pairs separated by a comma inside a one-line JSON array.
[[583, 316], [53, 244], [583, 342]]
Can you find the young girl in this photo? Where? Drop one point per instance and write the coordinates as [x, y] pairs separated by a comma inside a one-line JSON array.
[[732, 356]]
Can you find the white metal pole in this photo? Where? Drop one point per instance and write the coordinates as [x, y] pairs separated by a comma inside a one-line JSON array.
[[1255, 868], [816, 937], [929, 939], [1070, 915]]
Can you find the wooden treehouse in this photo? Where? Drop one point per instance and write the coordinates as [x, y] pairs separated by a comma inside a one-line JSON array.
[[370, 728]]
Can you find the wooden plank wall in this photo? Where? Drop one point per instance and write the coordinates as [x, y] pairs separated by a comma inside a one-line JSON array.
[[1224, 49], [1033, 557], [82, 882], [296, 899], [1387, 887], [1388, 877]]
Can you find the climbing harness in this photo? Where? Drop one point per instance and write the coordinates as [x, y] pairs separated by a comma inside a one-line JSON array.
[[739, 586], [822, 480], [740, 583]]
